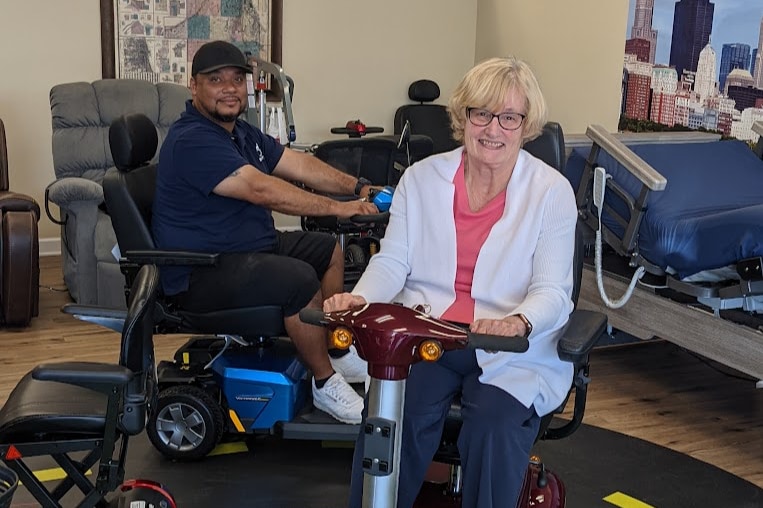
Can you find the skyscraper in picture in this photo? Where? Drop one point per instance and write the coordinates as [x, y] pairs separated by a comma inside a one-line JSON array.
[[704, 81], [759, 59], [733, 56], [692, 24], [642, 25]]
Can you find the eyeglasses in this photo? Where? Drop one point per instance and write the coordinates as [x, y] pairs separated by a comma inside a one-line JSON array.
[[507, 121]]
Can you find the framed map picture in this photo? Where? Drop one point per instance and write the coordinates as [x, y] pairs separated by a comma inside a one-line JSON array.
[[155, 40]]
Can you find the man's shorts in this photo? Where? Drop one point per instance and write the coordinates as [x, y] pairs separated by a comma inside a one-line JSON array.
[[289, 276]]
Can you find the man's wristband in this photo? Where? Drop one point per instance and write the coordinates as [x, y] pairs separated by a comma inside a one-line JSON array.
[[362, 182]]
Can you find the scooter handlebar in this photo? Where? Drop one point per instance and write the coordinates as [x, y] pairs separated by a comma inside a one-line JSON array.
[[476, 340], [313, 317], [372, 218], [498, 343]]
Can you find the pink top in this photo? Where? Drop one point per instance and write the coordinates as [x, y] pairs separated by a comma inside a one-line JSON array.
[[472, 228]]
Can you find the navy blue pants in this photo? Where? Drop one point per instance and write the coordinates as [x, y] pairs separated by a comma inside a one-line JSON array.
[[495, 441]]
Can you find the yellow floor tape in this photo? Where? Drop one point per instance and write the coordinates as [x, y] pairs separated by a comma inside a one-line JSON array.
[[625, 501], [228, 448], [56, 473]]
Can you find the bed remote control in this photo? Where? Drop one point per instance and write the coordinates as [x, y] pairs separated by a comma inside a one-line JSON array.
[[599, 186]]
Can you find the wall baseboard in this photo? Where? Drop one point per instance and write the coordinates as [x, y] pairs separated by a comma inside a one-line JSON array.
[[50, 246]]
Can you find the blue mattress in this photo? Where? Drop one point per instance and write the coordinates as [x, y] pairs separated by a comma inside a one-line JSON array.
[[709, 215]]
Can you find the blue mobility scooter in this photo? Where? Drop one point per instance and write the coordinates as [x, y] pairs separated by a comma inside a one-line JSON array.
[[238, 373]]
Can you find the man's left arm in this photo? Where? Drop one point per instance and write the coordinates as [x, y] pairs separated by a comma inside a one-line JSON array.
[[316, 174]]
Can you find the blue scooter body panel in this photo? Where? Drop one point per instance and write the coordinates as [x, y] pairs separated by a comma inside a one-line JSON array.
[[262, 385]]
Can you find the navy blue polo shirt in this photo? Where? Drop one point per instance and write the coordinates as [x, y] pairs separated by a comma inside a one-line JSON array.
[[196, 156]]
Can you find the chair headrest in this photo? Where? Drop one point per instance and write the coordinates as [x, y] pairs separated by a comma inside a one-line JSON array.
[[423, 90], [549, 146], [133, 141]]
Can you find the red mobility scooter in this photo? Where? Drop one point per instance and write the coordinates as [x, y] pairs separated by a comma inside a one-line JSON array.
[[391, 338]]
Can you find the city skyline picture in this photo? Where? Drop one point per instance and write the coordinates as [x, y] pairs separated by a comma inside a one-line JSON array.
[[734, 21], [693, 64]]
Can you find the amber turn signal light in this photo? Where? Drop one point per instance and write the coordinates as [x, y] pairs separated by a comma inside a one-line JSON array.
[[341, 338], [430, 350]]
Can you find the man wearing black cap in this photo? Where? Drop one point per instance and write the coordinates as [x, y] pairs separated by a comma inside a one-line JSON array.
[[218, 181]]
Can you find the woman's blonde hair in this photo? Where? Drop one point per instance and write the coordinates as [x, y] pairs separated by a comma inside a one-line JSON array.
[[488, 84]]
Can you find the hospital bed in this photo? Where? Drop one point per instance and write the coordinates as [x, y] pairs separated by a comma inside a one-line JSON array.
[[681, 234]]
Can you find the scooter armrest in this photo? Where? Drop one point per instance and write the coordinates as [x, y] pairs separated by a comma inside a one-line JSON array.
[[582, 332]]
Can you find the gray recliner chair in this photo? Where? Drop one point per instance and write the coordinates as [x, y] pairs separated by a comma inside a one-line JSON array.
[[82, 113]]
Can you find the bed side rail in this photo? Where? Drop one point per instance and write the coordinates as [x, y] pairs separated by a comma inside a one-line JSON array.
[[651, 179], [632, 162]]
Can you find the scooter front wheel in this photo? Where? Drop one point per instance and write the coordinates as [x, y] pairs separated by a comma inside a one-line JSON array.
[[186, 424]]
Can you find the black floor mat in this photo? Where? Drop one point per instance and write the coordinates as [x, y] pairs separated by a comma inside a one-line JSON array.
[[593, 463]]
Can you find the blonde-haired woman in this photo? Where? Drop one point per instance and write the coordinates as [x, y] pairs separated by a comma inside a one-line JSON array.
[[483, 235]]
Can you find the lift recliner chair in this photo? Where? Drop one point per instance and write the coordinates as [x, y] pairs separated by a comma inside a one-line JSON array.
[[19, 250]]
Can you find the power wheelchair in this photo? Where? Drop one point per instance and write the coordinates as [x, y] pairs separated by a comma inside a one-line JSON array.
[[380, 160], [83, 413]]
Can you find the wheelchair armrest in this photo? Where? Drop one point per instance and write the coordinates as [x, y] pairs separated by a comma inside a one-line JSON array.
[[170, 258], [113, 319], [100, 377], [583, 330]]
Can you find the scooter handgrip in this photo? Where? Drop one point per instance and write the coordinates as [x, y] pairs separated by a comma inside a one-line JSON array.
[[313, 317], [371, 218], [498, 343]]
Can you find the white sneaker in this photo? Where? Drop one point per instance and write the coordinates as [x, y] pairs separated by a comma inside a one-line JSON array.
[[352, 367], [338, 399]]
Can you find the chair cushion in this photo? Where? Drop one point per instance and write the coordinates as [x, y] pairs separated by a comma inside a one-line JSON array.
[[51, 409]]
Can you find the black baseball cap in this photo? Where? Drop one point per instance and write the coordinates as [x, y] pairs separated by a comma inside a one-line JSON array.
[[216, 55]]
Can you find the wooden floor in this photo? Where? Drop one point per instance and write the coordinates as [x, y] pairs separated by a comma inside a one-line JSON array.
[[655, 391]]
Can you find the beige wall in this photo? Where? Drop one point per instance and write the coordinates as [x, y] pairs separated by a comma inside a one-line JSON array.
[[348, 59], [353, 59], [41, 47], [574, 47]]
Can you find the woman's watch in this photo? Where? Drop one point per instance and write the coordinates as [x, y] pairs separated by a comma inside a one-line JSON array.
[[527, 323], [362, 182]]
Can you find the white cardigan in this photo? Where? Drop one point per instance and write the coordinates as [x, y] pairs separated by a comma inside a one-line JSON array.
[[525, 266]]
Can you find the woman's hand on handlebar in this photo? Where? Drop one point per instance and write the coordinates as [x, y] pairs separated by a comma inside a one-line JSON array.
[[342, 301], [510, 326]]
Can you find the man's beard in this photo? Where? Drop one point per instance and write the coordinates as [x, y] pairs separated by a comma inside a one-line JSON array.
[[227, 118]]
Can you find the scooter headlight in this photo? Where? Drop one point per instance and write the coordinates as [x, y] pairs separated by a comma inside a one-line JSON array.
[[430, 350], [341, 338]]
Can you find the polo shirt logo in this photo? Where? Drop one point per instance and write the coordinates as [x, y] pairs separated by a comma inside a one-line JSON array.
[[260, 156]]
